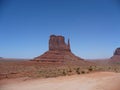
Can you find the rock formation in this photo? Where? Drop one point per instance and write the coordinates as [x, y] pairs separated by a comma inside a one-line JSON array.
[[57, 43], [59, 51], [117, 51], [116, 56]]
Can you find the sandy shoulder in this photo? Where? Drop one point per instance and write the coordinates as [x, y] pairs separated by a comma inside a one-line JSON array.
[[93, 81]]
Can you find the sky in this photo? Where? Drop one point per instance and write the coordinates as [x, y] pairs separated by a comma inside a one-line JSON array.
[[93, 26]]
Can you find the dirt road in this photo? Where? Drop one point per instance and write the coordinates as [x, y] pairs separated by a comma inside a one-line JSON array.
[[93, 81]]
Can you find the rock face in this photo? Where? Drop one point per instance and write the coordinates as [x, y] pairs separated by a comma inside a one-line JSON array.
[[58, 43], [59, 51], [116, 56], [117, 51]]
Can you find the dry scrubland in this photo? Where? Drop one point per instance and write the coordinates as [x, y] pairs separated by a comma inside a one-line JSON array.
[[32, 75], [33, 69]]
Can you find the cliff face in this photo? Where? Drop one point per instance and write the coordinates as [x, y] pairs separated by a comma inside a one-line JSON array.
[[116, 56], [59, 51], [117, 51], [57, 43]]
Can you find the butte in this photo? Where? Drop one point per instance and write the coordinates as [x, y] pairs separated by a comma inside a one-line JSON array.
[[59, 52], [116, 56]]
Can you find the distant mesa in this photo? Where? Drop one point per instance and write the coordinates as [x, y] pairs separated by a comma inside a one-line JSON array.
[[58, 51], [117, 52], [1, 57], [116, 55]]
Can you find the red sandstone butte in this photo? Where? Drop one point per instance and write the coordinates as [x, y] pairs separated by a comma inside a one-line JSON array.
[[116, 56], [58, 51], [58, 43]]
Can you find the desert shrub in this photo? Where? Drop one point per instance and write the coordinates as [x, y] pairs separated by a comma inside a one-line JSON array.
[[6, 75], [90, 69], [59, 70], [118, 63], [78, 70], [64, 72], [115, 69], [70, 70], [83, 72], [109, 68]]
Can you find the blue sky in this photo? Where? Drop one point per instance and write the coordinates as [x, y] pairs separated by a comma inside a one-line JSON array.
[[93, 26]]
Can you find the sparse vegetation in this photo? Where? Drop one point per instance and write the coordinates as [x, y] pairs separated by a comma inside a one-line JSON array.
[[83, 72], [36, 69], [64, 73], [91, 68], [70, 70], [78, 70]]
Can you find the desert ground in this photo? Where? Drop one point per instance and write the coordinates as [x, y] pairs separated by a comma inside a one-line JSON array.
[[93, 81], [30, 75]]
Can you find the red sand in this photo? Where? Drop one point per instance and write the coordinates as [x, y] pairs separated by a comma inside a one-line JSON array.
[[93, 81]]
